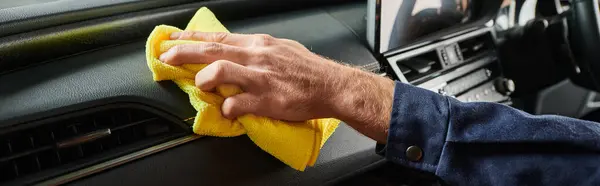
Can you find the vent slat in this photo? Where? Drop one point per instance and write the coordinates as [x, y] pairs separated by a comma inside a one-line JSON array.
[[23, 154], [101, 146], [31, 141], [74, 128], [119, 140], [80, 151], [58, 157], [36, 151], [16, 168], [129, 116], [132, 124], [38, 164], [10, 149]]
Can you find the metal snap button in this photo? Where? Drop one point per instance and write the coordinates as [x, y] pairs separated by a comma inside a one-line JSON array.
[[414, 153]]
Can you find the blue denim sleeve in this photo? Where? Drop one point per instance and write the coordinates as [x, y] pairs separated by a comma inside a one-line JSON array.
[[489, 143]]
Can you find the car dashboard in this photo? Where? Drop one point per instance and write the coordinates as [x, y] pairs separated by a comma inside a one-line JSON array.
[[45, 104], [78, 104]]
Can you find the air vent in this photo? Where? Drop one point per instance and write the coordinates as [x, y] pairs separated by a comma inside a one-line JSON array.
[[420, 67], [475, 47], [73, 141]]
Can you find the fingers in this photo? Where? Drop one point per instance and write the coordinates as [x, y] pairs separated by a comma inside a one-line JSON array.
[[223, 72], [241, 40], [204, 53], [217, 37], [238, 105]]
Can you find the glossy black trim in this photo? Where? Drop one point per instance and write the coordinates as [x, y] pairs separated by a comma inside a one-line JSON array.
[[484, 12]]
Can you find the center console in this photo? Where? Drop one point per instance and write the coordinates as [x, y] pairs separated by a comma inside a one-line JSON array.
[[465, 67], [444, 46]]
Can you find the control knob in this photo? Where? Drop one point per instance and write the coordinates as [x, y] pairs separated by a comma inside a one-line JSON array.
[[504, 86]]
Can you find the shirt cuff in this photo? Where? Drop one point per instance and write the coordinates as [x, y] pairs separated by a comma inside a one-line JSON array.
[[418, 128]]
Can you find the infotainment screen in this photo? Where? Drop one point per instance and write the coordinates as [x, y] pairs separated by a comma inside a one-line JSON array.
[[403, 22]]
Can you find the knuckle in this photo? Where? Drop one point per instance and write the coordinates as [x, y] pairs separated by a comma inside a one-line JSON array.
[[262, 55], [261, 80], [265, 39], [174, 55], [196, 35], [292, 41], [296, 44], [187, 34], [276, 49], [202, 79], [212, 48], [211, 74], [176, 49], [219, 68], [219, 36], [228, 107], [282, 102]]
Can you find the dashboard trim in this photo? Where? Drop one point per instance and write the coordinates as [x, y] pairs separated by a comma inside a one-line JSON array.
[[391, 60], [118, 161], [460, 71]]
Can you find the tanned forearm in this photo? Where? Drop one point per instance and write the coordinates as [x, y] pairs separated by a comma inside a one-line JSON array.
[[365, 103]]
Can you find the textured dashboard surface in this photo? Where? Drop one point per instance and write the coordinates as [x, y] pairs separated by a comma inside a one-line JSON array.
[[318, 30], [65, 28], [120, 74], [47, 13], [116, 74]]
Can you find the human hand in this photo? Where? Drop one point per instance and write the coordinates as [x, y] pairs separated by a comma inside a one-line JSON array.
[[282, 79]]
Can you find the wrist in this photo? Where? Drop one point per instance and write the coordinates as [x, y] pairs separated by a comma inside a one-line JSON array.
[[364, 101]]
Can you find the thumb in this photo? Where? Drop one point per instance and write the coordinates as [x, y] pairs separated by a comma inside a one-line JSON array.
[[238, 105]]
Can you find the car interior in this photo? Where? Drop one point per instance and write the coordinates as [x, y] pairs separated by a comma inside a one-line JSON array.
[[78, 105]]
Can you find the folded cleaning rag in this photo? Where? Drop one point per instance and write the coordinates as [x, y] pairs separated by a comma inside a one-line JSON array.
[[297, 144]]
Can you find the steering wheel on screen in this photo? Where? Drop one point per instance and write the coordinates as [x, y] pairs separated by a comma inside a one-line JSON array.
[[584, 41]]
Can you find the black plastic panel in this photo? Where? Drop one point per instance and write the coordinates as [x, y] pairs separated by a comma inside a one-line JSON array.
[[42, 15], [57, 33], [237, 161], [316, 29], [352, 16], [120, 74], [564, 98]]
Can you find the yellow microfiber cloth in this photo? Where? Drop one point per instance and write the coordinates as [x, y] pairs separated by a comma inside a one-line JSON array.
[[297, 144]]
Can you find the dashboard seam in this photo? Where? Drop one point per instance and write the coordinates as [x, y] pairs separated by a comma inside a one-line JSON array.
[[118, 161]]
